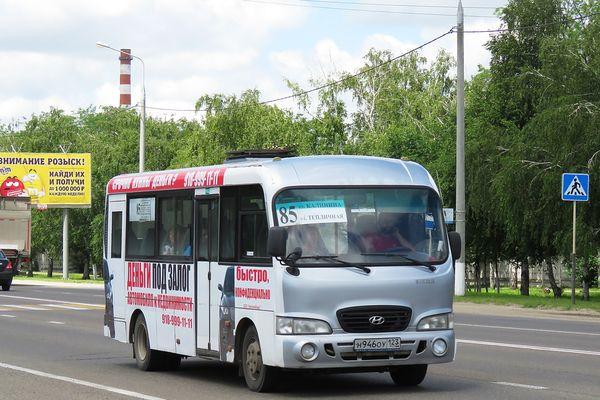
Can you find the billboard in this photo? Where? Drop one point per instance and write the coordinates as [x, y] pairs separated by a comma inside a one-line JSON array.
[[49, 179]]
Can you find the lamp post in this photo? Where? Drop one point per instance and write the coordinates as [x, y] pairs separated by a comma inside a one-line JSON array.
[[143, 111]]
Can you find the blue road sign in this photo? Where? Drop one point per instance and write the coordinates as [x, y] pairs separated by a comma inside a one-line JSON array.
[[575, 187]]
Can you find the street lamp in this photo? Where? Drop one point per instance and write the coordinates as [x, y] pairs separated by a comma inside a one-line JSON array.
[[143, 116]]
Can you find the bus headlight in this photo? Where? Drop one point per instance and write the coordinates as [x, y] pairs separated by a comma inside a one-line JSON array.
[[302, 326], [436, 322]]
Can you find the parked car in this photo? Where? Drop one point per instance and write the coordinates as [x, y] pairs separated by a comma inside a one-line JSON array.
[[6, 272]]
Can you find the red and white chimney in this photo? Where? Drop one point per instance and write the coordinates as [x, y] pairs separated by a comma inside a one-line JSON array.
[[125, 78]]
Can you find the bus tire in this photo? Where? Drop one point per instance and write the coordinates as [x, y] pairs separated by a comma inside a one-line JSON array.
[[145, 358], [259, 377], [408, 375], [6, 285]]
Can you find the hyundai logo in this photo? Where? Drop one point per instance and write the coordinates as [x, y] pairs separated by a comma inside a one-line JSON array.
[[376, 320]]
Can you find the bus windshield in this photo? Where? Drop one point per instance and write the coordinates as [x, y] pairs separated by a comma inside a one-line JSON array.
[[374, 226]]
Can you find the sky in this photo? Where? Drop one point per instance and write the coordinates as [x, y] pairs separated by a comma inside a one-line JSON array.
[[48, 56]]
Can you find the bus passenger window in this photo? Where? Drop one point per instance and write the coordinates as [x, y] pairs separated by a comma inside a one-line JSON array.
[[115, 234], [141, 224], [176, 218]]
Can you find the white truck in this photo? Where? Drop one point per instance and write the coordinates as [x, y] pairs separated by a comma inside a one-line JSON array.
[[15, 236]]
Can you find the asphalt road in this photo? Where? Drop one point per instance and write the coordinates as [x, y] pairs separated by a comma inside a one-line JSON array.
[[51, 346]]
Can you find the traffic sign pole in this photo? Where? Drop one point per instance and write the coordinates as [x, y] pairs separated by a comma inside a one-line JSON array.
[[573, 258], [575, 187]]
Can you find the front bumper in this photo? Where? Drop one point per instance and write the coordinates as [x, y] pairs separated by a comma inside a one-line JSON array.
[[337, 350]]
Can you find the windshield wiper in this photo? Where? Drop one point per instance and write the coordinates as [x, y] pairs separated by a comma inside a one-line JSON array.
[[336, 259], [414, 261]]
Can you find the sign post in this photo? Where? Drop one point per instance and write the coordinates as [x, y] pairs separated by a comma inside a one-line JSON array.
[[575, 187]]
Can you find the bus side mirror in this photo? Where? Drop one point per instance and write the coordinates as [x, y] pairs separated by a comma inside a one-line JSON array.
[[220, 287], [455, 244], [276, 243]]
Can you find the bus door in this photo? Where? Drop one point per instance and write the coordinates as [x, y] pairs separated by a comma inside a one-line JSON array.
[[207, 231], [114, 276]]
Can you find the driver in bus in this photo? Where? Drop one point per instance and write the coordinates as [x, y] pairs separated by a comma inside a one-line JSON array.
[[388, 237]]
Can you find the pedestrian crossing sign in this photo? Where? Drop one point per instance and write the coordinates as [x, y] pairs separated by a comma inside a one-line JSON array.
[[575, 187]]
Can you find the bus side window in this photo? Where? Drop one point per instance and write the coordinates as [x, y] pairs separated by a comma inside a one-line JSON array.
[[115, 234], [141, 227], [175, 237]]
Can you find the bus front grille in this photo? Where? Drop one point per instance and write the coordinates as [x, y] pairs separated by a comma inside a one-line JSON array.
[[374, 319]]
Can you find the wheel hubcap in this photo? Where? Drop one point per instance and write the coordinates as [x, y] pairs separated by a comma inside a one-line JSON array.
[[254, 360], [140, 341]]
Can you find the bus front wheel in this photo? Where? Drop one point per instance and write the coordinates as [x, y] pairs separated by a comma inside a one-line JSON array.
[[408, 375], [259, 377]]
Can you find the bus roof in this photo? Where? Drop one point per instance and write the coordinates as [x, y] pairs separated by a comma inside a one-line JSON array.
[[276, 173]]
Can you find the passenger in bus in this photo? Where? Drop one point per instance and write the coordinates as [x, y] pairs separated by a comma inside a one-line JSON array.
[[168, 246]]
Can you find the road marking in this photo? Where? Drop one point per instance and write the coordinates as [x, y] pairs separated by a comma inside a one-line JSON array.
[[52, 300], [80, 382], [64, 307], [520, 385], [527, 347], [30, 308], [56, 322], [8, 316], [529, 329]]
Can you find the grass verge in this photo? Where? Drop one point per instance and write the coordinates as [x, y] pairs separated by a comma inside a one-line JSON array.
[[536, 299], [57, 277]]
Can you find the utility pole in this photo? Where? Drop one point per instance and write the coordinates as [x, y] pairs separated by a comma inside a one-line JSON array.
[[143, 120], [459, 274]]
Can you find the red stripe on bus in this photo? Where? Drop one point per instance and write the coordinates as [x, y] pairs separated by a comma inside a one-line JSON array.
[[167, 180]]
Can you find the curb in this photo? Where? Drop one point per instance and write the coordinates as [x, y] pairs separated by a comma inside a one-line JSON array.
[[32, 282], [515, 310]]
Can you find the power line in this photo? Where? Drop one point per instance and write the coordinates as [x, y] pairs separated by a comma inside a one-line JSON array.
[[172, 109], [397, 5], [363, 9], [581, 17], [328, 84], [337, 82]]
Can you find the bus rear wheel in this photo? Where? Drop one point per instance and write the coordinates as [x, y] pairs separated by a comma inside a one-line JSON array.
[[259, 377], [408, 375], [145, 358]]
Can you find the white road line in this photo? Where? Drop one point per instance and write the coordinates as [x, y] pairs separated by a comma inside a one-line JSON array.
[[29, 308], [528, 347], [520, 385], [64, 307], [80, 382], [528, 329], [56, 322], [8, 316], [52, 300]]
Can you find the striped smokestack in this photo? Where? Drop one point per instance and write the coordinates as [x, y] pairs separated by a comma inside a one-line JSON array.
[[125, 78]]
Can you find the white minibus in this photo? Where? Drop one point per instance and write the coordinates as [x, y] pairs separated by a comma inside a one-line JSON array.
[[323, 263]]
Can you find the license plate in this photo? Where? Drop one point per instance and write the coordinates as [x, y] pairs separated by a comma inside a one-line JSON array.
[[377, 344]]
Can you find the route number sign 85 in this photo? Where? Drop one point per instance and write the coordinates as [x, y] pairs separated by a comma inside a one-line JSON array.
[[287, 215]]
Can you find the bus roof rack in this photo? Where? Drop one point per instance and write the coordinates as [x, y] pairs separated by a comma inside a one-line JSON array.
[[255, 154]]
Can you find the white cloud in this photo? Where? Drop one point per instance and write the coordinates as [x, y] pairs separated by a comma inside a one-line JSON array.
[[190, 48]]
